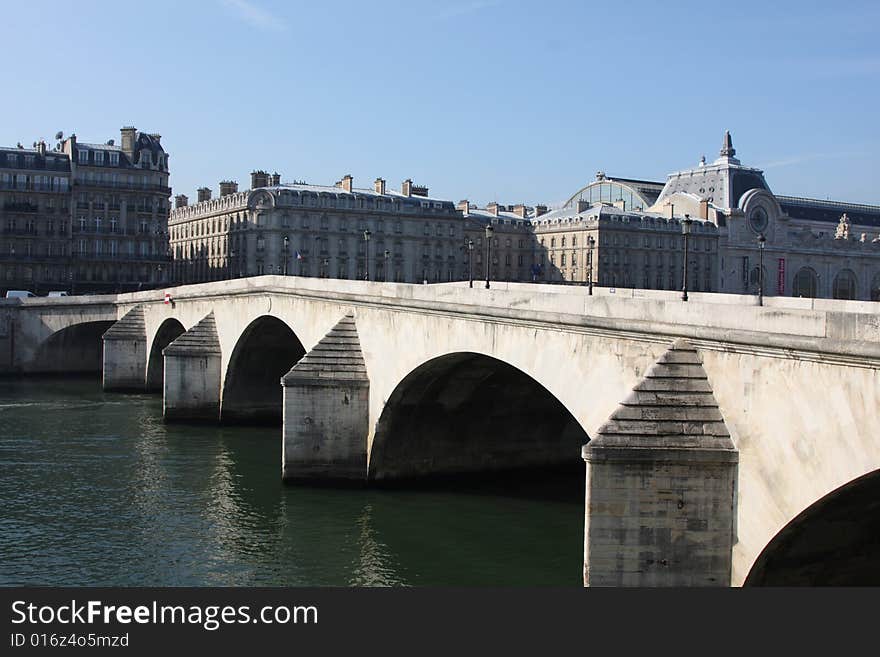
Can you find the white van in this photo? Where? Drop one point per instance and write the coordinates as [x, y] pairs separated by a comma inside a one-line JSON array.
[[57, 293], [19, 294]]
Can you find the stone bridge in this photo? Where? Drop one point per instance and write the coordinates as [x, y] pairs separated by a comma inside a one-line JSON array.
[[729, 440]]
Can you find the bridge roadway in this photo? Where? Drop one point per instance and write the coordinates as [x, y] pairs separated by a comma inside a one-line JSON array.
[[753, 423]]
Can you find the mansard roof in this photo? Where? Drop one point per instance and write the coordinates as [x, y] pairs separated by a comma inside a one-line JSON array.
[[811, 209]]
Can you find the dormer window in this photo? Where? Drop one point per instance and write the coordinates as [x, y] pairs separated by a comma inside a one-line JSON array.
[[83, 156], [99, 157], [114, 159], [146, 160]]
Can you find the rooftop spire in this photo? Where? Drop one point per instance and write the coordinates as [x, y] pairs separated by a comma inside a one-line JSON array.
[[727, 149]]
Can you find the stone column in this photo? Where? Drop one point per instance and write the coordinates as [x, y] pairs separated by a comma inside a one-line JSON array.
[[191, 390], [125, 353], [326, 410], [661, 484]]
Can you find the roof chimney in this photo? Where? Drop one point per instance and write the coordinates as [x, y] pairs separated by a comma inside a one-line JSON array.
[[346, 182], [228, 187], [582, 205], [493, 208], [406, 188], [463, 206], [379, 186], [128, 137], [540, 209], [275, 179], [259, 179], [520, 210], [181, 201], [204, 194]]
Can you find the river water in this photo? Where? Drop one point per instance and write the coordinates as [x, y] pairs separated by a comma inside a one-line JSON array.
[[96, 490]]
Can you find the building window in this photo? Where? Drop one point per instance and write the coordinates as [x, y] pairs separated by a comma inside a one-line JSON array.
[[845, 285], [82, 156], [805, 283], [114, 159], [99, 157]]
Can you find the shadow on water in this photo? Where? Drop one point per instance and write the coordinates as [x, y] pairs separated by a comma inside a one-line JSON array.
[[101, 491]]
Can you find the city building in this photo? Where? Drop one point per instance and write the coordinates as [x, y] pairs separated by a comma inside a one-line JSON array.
[[742, 237], [336, 231], [84, 217], [738, 235], [513, 248]]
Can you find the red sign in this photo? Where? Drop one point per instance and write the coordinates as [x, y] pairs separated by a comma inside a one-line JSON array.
[[168, 297], [780, 278]]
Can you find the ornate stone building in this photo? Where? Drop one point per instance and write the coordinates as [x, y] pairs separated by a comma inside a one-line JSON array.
[[84, 217], [334, 231], [740, 234]]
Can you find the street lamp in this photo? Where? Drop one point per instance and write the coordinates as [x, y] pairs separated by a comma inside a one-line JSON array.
[[685, 230], [470, 250], [761, 240], [286, 251], [325, 267], [387, 255], [489, 231], [591, 242], [367, 235], [230, 261]]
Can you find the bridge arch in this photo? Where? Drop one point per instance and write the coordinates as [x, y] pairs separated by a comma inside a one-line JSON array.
[[468, 412], [833, 542], [263, 353], [168, 331], [77, 348]]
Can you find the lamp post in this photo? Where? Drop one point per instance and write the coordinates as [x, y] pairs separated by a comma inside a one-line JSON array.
[[367, 235], [685, 230], [286, 252], [387, 255], [591, 242], [325, 265], [489, 231], [159, 274], [761, 240], [230, 261], [470, 250]]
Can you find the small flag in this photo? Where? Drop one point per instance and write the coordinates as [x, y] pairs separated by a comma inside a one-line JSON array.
[[299, 255]]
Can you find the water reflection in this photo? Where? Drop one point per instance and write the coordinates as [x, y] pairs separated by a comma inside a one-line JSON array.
[[98, 490]]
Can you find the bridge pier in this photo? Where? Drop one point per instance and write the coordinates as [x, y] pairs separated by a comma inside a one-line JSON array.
[[124, 364], [191, 387], [660, 484], [326, 410]]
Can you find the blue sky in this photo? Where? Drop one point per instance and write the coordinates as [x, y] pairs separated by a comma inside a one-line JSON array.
[[478, 99]]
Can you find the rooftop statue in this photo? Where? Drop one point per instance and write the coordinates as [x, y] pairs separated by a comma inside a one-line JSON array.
[[842, 232]]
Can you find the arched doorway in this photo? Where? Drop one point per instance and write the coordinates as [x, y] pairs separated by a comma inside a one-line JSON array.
[[265, 352], [845, 285], [168, 332], [465, 413], [834, 542], [805, 283]]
